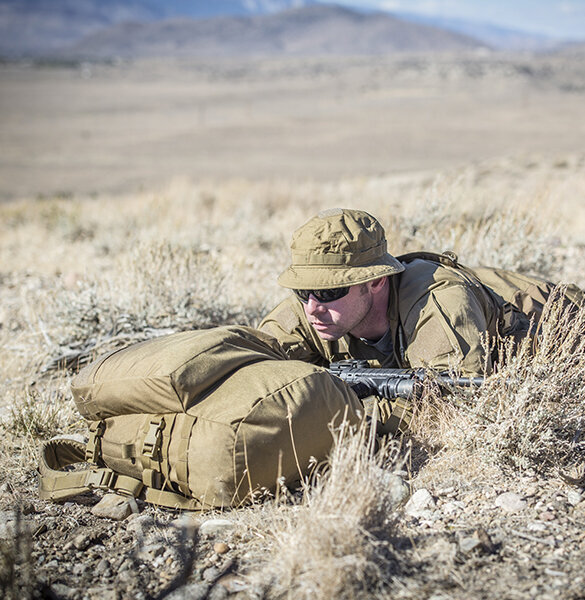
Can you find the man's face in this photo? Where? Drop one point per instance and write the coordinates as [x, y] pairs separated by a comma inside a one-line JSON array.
[[332, 320]]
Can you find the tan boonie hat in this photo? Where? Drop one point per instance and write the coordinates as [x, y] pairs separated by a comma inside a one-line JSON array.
[[338, 248]]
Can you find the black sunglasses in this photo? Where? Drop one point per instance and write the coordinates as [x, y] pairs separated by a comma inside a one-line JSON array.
[[322, 296]]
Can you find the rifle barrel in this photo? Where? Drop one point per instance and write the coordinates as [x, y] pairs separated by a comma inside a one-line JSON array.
[[393, 383]]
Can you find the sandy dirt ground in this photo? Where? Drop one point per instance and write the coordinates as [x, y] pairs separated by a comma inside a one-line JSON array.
[[122, 127]]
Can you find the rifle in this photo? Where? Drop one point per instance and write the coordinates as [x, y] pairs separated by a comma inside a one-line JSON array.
[[393, 383]]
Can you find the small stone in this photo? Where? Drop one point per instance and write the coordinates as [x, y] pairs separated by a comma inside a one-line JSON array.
[[479, 542], [114, 507], [82, 541], [139, 524], [213, 527], [211, 573], [232, 583], [510, 502], [187, 523], [574, 497], [469, 543], [420, 504], [194, 591], [27, 508], [547, 515], [450, 508], [102, 567], [221, 548], [63, 591]]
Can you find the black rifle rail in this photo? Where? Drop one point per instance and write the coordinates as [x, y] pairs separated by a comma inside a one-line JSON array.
[[394, 383]]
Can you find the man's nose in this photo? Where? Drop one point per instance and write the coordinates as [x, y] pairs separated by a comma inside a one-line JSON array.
[[313, 305]]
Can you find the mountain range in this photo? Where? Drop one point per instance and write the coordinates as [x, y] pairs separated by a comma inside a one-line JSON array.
[[98, 29]]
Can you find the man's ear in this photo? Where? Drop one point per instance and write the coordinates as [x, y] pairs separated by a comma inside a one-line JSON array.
[[377, 285]]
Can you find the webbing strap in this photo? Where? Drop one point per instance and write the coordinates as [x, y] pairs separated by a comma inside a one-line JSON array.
[[56, 484], [182, 460], [170, 500]]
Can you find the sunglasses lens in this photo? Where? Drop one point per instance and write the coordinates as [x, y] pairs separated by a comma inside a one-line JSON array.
[[322, 296], [303, 295], [330, 295]]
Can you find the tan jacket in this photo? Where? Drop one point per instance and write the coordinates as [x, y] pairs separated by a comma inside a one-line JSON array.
[[441, 315]]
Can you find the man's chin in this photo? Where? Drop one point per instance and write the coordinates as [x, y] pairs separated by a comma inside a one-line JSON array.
[[326, 335]]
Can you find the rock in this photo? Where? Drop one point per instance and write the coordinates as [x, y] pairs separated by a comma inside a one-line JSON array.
[[449, 492], [574, 497], [211, 574], [218, 592], [398, 489], [420, 504], [468, 543], [82, 541], [103, 567], [220, 548], [113, 506], [27, 508], [194, 591], [510, 502], [232, 583], [139, 524], [63, 591], [6, 531], [450, 508], [213, 527], [187, 523], [479, 541], [152, 551], [547, 515]]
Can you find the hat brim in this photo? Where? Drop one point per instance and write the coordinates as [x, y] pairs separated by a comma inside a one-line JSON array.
[[320, 277]]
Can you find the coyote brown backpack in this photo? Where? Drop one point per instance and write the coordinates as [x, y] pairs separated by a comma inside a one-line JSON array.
[[198, 419]]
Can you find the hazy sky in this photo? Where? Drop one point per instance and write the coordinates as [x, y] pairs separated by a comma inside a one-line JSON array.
[[563, 18]]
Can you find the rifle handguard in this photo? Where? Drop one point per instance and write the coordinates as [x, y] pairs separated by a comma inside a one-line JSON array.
[[392, 383]]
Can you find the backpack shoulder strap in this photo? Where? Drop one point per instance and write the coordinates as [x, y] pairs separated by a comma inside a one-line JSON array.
[[447, 258], [56, 483]]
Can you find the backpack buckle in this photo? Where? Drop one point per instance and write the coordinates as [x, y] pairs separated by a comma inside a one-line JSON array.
[[153, 439], [93, 449], [102, 479]]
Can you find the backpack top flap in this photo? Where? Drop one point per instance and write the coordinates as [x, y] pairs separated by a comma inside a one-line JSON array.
[[167, 374]]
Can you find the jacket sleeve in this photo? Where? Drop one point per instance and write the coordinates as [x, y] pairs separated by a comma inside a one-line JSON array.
[[287, 323], [447, 329]]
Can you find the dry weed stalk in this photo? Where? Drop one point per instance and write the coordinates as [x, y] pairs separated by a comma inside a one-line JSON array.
[[529, 415], [333, 543]]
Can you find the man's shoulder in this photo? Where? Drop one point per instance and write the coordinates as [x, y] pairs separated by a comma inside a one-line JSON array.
[[422, 277], [288, 314], [421, 272]]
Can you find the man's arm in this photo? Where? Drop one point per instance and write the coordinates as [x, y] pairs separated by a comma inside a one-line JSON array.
[[288, 324]]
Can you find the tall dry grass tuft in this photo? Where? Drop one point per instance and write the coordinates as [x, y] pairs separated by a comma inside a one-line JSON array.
[[334, 542], [529, 415]]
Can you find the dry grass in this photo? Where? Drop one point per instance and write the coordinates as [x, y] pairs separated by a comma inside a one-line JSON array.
[[343, 522], [530, 416], [81, 276]]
